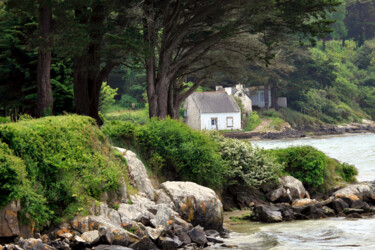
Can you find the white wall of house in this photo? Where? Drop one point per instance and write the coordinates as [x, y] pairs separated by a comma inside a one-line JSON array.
[[192, 114], [245, 100], [224, 121], [257, 98]]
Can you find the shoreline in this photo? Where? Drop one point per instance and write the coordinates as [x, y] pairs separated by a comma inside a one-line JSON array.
[[290, 133]]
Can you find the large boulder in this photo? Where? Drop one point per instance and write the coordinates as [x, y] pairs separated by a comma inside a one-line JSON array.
[[295, 186], [138, 174], [266, 213], [196, 204], [355, 192], [9, 226]]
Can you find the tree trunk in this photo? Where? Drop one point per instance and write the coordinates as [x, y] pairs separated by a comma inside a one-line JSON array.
[[266, 97], [44, 89], [274, 97]]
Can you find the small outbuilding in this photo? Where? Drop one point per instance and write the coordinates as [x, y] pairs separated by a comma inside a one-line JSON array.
[[212, 111]]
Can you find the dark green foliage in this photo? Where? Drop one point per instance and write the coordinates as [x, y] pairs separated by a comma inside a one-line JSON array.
[[347, 172], [120, 132], [67, 162], [304, 163], [189, 154], [316, 170]]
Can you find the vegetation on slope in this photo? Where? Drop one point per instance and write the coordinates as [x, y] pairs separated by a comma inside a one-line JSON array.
[[56, 166]]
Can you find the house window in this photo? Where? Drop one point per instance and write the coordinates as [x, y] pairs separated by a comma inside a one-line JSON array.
[[213, 121], [239, 95], [229, 121]]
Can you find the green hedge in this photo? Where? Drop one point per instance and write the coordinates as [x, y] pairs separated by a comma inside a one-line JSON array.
[[313, 167], [67, 161]]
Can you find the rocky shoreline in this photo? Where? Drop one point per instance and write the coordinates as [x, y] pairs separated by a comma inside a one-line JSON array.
[[288, 132], [177, 215], [290, 201], [180, 215]]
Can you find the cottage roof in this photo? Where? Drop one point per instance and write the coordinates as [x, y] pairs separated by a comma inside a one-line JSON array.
[[215, 102]]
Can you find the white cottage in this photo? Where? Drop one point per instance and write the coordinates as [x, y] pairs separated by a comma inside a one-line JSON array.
[[212, 111]]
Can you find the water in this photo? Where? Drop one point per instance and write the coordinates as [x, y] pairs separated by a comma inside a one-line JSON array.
[[331, 233]]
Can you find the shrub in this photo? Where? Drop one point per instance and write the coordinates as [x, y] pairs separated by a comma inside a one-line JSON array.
[[246, 166], [304, 163], [4, 120], [68, 163], [121, 133], [347, 172], [187, 154], [252, 122]]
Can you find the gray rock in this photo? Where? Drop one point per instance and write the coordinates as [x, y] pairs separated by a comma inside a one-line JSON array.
[[338, 205], [154, 233], [144, 243], [214, 240], [163, 215], [111, 215], [138, 173], [67, 236], [295, 186], [212, 233], [354, 192], [61, 245], [106, 236], [91, 237], [328, 211], [33, 244], [113, 247], [167, 243], [184, 238], [134, 212], [268, 214], [123, 237], [123, 192], [353, 210], [198, 235], [196, 204]]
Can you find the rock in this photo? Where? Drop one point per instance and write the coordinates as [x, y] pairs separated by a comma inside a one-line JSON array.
[[196, 204], [91, 237], [105, 235], [33, 244], [338, 205], [280, 195], [214, 240], [354, 216], [154, 233], [295, 186], [123, 237], [9, 225], [102, 210], [163, 198], [164, 216], [67, 236], [354, 192], [113, 247], [45, 238], [184, 238], [61, 245], [267, 214], [198, 235], [304, 202], [212, 233], [144, 243], [123, 192], [328, 211], [134, 212], [167, 243], [353, 210], [138, 173]]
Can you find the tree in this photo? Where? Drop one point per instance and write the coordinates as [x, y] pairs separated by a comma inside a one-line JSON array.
[[180, 33], [42, 11]]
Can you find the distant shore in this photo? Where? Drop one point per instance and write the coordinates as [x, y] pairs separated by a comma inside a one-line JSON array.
[[309, 132]]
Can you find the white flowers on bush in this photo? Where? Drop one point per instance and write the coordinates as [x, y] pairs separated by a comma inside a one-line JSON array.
[[246, 165]]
